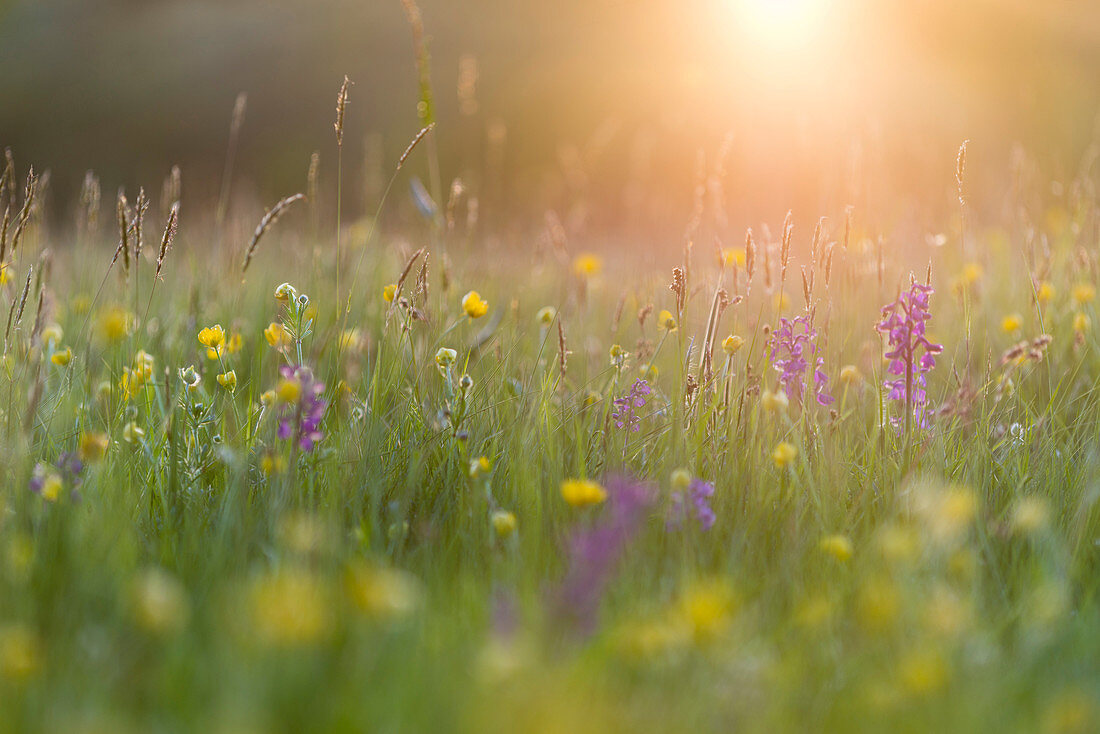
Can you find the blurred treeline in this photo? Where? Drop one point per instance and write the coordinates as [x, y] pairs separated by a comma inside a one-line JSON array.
[[605, 102]]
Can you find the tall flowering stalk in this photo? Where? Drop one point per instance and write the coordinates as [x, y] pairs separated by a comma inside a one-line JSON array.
[[595, 551], [793, 351], [625, 414], [912, 356], [303, 407], [698, 494]]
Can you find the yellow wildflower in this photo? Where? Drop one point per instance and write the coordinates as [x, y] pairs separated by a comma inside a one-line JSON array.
[[20, 652], [1044, 293], [389, 292], [837, 546], [228, 380], [276, 335], [212, 337], [290, 608], [734, 256], [474, 306], [850, 375], [1011, 323], [1030, 515], [115, 323], [132, 433], [1084, 293], [774, 402], [143, 363], [382, 593], [480, 466], [445, 357], [784, 454], [582, 492], [971, 273], [272, 464], [350, 339], [587, 265], [285, 293], [666, 321], [131, 382], [51, 333], [878, 605], [62, 357], [288, 391], [546, 315], [923, 671], [51, 487], [1081, 322], [732, 344], [159, 602], [680, 479], [504, 523], [93, 446], [706, 609]]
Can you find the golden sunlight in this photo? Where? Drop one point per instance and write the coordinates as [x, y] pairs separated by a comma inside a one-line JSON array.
[[781, 22]]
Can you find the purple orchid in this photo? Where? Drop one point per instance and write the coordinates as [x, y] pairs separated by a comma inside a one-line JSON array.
[[302, 419], [595, 550], [625, 407], [912, 356], [793, 347], [698, 494]]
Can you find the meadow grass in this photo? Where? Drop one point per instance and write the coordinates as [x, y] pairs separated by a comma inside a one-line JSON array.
[[552, 491]]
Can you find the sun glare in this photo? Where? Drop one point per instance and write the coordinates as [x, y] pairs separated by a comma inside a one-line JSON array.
[[781, 22]]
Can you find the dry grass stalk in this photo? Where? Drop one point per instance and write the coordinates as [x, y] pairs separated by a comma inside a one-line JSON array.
[[4, 182], [960, 171], [23, 299], [171, 191], [312, 177], [618, 313], [4, 233], [9, 174], [457, 189], [239, 108], [815, 243], [750, 254], [138, 225], [166, 240], [719, 304], [25, 212], [124, 234], [415, 141], [408, 269], [341, 107], [563, 350], [679, 287], [420, 295], [785, 248], [90, 196], [268, 220]]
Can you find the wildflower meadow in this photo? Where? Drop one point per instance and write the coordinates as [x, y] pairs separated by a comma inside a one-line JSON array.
[[297, 465]]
